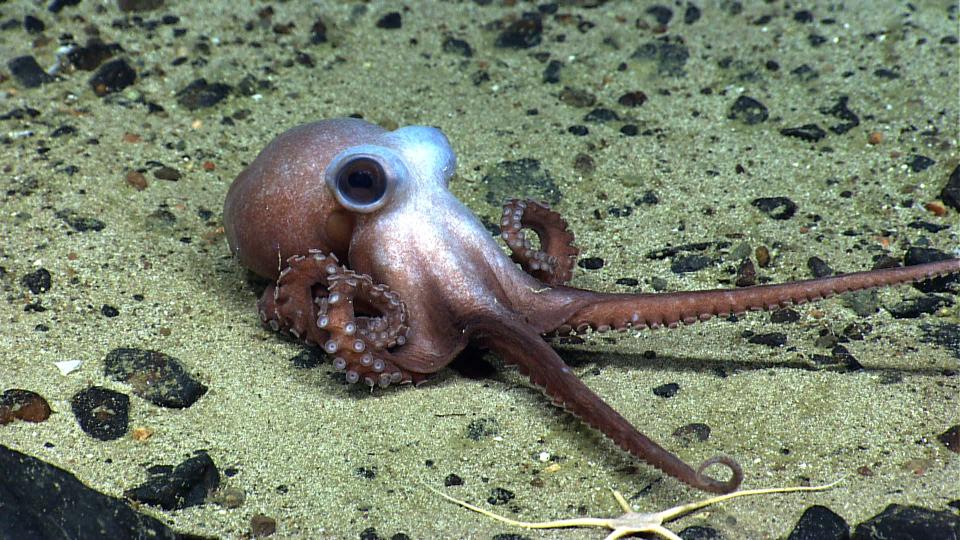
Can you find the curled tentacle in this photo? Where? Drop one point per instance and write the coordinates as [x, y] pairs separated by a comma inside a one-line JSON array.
[[727, 486], [604, 312], [353, 319], [520, 345], [553, 262], [289, 305], [359, 343]]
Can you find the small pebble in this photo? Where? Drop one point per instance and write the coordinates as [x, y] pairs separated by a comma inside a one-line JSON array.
[[28, 72], [17, 404], [102, 413], [666, 390], [261, 525]]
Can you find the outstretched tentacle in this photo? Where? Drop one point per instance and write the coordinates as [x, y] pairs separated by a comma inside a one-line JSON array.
[[518, 344], [620, 311], [553, 262]]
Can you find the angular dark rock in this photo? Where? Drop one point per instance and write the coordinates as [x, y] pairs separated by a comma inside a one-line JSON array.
[[101, 412], [950, 194], [909, 523], [154, 376], [806, 132], [748, 110], [28, 72], [41, 501], [200, 94], [820, 523], [188, 484], [112, 77]]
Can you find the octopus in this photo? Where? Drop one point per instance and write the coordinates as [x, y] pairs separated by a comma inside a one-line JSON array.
[[372, 258]]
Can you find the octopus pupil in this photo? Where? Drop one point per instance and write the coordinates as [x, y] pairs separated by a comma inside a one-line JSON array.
[[362, 182]]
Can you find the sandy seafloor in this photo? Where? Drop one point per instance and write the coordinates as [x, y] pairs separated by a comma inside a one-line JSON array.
[[303, 429]]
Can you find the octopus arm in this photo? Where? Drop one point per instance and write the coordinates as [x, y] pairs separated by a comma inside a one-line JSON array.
[[619, 311], [519, 344]]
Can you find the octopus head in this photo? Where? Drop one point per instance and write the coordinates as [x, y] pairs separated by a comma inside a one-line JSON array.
[[309, 187]]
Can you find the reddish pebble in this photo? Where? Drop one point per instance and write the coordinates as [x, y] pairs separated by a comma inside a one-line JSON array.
[[936, 208], [261, 525], [137, 180], [23, 404]]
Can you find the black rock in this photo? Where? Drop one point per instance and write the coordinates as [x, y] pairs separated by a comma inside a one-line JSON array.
[[920, 163], [691, 14], [699, 532], [318, 32], [482, 427], [188, 484], [667, 390], [551, 74], [101, 412], [899, 522], [28, 72], [689, 263], [842, 112], [57, 5], [37, 281], [112, 77], [500, 495], [601, 114], [785, 315], [770, 339], [806, 132], [79, 222], [914, 308], [951, 192], [690, 433], [199, 94], [89, 57], [748, 110], [590, 263], [820, 523], [457, 46], [660, 14], [819, 267], [779, 208], [920, 255], [452, 480], [154, 376], [523, 33], [671, 58], [33, 25], [390, 21], [44, 502], [138, 5]]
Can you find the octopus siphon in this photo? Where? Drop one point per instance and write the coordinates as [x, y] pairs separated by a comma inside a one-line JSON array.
[[373, 259]]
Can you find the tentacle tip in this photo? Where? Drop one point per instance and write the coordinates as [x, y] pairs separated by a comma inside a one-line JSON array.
[[708, 483]]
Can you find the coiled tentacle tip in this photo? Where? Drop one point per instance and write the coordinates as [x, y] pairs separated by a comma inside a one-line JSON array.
[[711, 484]]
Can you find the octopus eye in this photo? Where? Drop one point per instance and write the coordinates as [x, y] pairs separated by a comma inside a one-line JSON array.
[[362, 182]]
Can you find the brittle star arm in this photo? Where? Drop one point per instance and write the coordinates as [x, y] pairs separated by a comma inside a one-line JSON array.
[[631, 522]]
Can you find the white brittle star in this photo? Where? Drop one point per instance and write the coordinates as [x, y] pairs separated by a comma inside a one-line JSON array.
[[631, 522]]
